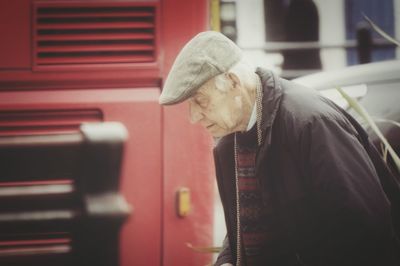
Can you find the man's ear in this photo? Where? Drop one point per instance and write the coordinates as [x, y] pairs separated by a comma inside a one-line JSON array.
[[233, 80]]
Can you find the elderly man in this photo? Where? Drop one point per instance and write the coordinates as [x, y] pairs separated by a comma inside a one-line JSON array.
[[294, 171]]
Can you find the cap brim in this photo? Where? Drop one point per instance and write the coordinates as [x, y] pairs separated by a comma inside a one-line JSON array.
[[171, 101]]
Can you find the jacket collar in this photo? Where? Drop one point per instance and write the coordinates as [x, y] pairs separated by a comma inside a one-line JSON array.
[[272, 94]]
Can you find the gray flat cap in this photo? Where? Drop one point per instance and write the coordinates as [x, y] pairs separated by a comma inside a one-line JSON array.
[[205, 56]]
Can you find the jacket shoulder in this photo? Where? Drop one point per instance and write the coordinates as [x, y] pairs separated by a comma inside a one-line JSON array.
[[302, 107], [224, 143]]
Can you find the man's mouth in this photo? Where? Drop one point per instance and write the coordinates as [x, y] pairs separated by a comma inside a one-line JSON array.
[[209, 126]]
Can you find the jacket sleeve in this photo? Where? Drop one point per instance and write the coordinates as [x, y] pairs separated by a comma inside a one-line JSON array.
[[347, 196], [225, 255]]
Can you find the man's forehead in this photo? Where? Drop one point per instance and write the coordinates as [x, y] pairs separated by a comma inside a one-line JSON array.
[[206, 87]]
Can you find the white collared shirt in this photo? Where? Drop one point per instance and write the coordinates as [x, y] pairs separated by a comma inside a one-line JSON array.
[[253, 117]]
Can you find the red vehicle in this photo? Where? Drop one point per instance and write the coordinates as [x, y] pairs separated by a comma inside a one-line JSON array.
[[68, 62]]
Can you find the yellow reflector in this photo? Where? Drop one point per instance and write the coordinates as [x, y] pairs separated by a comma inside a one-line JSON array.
[[183, 202]]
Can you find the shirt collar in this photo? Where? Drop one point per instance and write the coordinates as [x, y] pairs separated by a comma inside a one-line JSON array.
[[253, 117]]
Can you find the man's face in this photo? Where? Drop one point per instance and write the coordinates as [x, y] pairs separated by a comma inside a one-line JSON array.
[[220, 112]]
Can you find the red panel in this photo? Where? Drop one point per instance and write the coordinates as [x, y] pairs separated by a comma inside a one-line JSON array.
[[15, 34], [187, 149], [164, 151], [16, 31], [139, 111], [181, 21], [188, 163]]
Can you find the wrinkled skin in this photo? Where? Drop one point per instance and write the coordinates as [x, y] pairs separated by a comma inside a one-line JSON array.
[[222, 112]]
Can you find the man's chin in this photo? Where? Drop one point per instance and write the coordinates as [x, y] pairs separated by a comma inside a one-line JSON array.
[[217, 131], [217, 134]]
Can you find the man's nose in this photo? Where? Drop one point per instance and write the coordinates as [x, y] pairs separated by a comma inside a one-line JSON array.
[[195, 114]]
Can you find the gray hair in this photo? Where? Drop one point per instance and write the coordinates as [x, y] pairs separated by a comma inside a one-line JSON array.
[[243, 70]]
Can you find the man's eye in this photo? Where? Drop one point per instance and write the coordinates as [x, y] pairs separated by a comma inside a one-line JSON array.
[[202, 102]]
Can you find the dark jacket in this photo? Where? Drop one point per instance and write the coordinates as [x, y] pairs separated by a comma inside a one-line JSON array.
[[323, 198]]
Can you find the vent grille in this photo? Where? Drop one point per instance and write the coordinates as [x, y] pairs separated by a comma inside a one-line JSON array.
[[84, 33], [32, 122]]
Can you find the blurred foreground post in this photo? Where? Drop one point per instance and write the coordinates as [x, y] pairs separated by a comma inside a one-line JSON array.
[[59, 197]]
